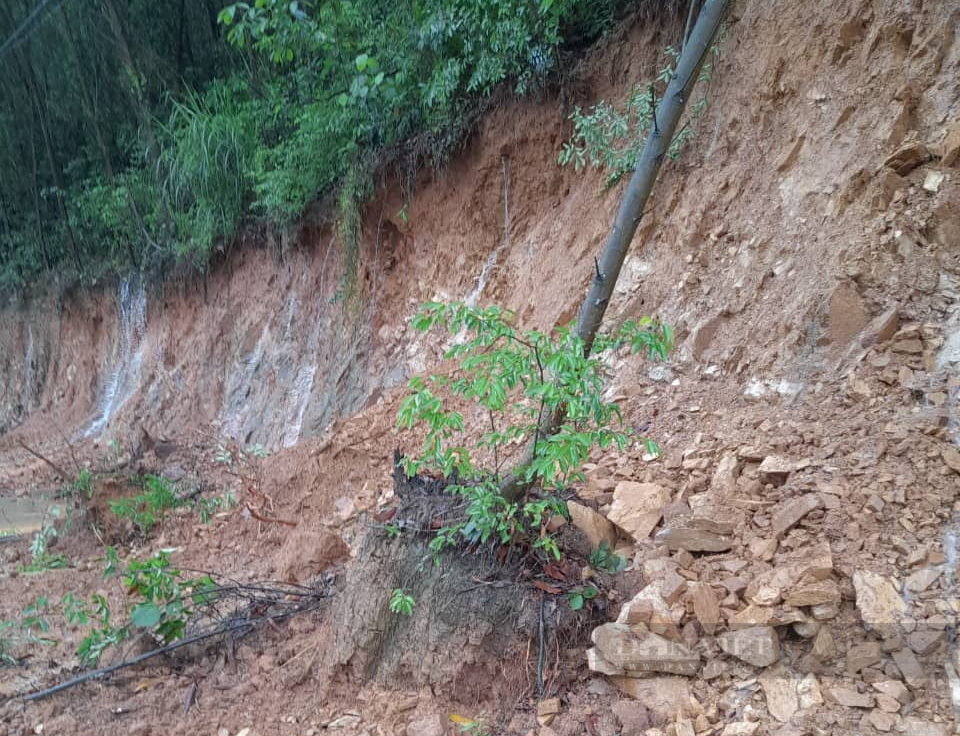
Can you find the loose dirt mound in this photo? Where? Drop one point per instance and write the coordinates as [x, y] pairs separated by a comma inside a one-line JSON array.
[[479, 627]]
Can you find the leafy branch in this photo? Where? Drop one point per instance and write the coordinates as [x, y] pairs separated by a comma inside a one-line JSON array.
[[517, 379]]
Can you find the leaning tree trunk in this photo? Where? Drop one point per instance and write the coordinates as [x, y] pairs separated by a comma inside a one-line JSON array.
[[664, 125]]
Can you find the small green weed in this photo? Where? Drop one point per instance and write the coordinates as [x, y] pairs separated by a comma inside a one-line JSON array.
[[401, 602], [150, 506], [7, 643], [475, 726], [164, 600], [34, 622], [230, 455], [82, 485], [603, 558], [579, 596], [41, 557], [610, 139], [166, 596], [207, 507]]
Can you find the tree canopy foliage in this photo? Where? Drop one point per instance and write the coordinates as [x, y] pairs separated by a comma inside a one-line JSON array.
[[138, 135]]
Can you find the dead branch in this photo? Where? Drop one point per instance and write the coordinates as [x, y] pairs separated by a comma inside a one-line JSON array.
[[268, 520], [57, 469]]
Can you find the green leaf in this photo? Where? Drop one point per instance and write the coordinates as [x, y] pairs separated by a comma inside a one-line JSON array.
[[145, 615], [575, 600]]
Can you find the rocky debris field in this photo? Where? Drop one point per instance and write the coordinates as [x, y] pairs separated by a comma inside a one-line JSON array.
[[799, 562]]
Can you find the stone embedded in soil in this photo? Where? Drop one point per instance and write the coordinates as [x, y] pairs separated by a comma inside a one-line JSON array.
[[922, 579], [908, 157], [306, 554], [673, 586], [762, 548], [849, 697], [758, 646], [741, 728], [808, 692], [706, 607], [780, 689], [909, 667], [880, 605], [806, 629], [636, 609], [428, 726], [662, 696], [789, 513], [683, 727], [351, 720], [547, 711], [913, 726], [863, 655], [808, 564], [595, 527], [948, 147], [894, 689], [810, 592], [619, 646], [724, 480], [910, 347], [887, 704], [637, 507], [638, 612], [926, 641], [775, 469], [881, 720], [754, 615], [825, 611], [696, 534], [596, 663], [952, 458], [634, 716], [713, 668], [881, 328]]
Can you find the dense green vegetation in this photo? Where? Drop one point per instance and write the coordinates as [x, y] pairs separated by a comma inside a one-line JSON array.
[[141, 135]]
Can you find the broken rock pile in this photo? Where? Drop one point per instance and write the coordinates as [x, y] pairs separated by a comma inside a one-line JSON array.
[[800, 569]]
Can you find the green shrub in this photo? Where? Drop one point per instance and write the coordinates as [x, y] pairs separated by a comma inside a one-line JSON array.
[[516, 379], [401, 602], [611, 140], [148, 507], [211, 143]]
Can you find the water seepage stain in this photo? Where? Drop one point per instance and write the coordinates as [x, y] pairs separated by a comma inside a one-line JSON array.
[[28, 377], [122, 375]]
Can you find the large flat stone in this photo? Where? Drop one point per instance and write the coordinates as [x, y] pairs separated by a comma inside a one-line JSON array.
[[595, 527], [618, 645], [758, 646], [789, 513], [880, 605], [663, 696], [637, 507]]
